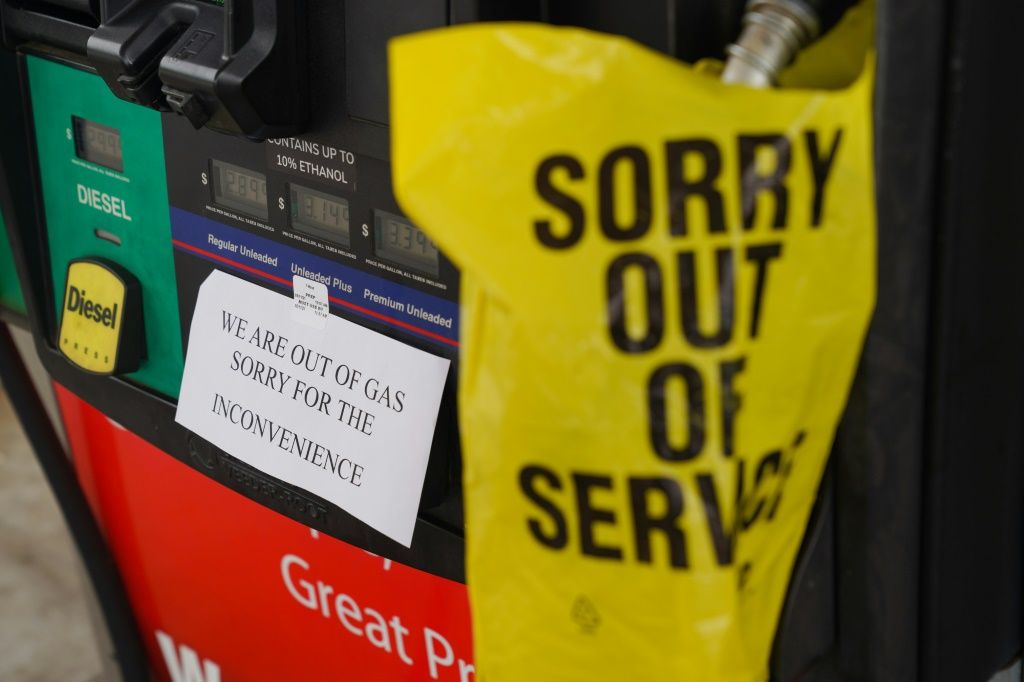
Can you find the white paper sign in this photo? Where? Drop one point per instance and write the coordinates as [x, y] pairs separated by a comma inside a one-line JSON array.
[[309, 302], [343, 412]]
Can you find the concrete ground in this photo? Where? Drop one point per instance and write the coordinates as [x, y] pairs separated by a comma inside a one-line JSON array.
[[45, 628]]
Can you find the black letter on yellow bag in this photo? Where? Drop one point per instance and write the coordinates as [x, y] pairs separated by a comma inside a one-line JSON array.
[[641, 194], [753, 183], [590, 516], [668, 523], [820, 168], [572, 208], [658, 420], [750, 514], [721, 536], [726, 272], [760, 255], [731, 401], [527, 478], [615, 289], [680, 188]]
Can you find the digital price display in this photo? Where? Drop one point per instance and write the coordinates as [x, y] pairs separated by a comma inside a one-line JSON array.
[[238, 188], [320, 214], [98, 143], [402, 243]]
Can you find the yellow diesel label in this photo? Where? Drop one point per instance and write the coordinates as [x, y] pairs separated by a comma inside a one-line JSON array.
[[90, 328]]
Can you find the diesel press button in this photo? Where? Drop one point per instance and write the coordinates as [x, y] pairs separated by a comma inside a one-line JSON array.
[[101, 326]]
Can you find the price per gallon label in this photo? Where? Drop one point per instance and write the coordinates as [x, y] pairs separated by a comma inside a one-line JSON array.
[[667, 282]]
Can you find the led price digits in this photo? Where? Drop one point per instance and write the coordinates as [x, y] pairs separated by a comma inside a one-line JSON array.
[[402, 243], [320, 214], [240, 189], [98, 144]]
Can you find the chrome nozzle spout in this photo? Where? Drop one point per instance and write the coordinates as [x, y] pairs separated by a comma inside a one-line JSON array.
[[773, 32]]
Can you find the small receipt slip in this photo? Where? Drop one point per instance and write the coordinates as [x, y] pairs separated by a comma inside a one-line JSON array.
[[310, 304], [341, 411]]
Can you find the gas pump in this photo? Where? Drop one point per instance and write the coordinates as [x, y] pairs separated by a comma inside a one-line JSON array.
[[166, 140], [10, 289], [143, 197], [12, 303]]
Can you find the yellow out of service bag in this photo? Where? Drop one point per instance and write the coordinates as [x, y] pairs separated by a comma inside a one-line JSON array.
[[666, 286]]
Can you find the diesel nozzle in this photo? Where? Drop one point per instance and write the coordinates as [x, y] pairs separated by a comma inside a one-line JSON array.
[[773, 32], [220, 65]]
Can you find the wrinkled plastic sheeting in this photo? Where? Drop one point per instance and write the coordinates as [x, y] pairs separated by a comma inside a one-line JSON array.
[[666, 286]]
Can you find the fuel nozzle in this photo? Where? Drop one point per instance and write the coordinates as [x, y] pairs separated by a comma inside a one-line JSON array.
[[773, 32]]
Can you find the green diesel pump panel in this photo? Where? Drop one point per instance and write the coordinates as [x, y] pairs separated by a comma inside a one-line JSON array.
[[10, 288], [104, 185]]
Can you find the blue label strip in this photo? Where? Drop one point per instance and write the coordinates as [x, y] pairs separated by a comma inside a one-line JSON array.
[[374, 297]]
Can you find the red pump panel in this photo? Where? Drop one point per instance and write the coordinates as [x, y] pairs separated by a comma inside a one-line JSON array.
[[225, 589]]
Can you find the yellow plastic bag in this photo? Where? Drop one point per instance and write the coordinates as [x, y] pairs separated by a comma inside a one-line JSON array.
[[666, 285]]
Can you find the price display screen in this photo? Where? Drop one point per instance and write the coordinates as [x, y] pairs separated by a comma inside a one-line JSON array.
[[320, 214], [402, 243], [98, 144], [238, 188]]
